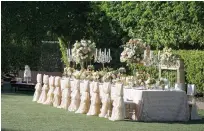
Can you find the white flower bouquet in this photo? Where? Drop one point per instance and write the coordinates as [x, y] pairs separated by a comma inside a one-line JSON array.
[[86, 75], [141, 78], [133, 51], [96, 76], [168, 58], [122, 70], [150, 81], [109, 76], [77, 74], [83, 51], [68, 71], [90, 67], [161, 83]]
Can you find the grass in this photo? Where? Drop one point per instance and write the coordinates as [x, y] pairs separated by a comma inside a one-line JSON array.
[[19, 113]]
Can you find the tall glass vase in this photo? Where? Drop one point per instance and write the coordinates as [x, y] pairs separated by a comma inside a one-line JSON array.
[[82, 65]]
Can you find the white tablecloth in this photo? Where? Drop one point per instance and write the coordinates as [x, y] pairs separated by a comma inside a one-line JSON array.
[[159, 105]]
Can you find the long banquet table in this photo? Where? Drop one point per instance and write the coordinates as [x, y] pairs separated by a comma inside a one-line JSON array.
[[154, 105]]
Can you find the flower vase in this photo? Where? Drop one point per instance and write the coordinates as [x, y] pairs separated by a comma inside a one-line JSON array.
[[82, 65], [163, 87]]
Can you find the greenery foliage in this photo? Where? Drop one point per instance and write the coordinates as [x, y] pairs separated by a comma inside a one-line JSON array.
[[179, 25], [63, 50], [194, 67]]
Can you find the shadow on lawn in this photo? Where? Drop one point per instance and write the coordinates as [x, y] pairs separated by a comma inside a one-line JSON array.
[[172, 122], [4, 129], [22, 93]]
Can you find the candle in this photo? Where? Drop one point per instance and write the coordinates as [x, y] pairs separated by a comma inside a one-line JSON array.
[[158, 54], [67, 52], [151, 54], [99, 52], [144, 54], [70, 50], [105, 51], [109, 52], [96, 52], [70, 55]]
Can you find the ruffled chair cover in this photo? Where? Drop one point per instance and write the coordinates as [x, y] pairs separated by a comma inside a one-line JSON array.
[[38, 88], [75, 96], [95, 99], [66, 94], [57, 92], [50, 94], [118, 112], [106, 100], [45, 88], [85, 98]]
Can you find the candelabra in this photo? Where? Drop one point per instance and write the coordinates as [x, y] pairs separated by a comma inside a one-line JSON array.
[[70, 57], [149, 59], [102, 56]]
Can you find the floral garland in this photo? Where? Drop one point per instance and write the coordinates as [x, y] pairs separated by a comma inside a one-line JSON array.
[[83, 51], [133, 51]]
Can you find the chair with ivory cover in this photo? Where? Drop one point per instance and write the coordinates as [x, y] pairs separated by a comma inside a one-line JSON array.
[[118, 110]]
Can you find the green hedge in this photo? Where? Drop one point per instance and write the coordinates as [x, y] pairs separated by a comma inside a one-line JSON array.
[[194, 69]]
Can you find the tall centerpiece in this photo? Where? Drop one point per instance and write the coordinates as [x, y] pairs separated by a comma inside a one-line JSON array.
[[83, 51], [133, 52], [168, 58]]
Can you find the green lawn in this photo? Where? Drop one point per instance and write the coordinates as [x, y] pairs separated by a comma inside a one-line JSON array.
[[19, 113]]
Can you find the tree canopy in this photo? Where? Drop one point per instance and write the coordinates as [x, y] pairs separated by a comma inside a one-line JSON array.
[[179, 25], [173, 24]]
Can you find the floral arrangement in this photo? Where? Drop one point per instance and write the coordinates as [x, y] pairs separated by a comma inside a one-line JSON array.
[[77, 74], [83, 51], [109, 76], [150, 81], [168, 58], [86, 75], [133, 51], [90, 67], [122, 70], [141, 78], [161, 83], [96, 76], [130, 80], [68, 71]]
